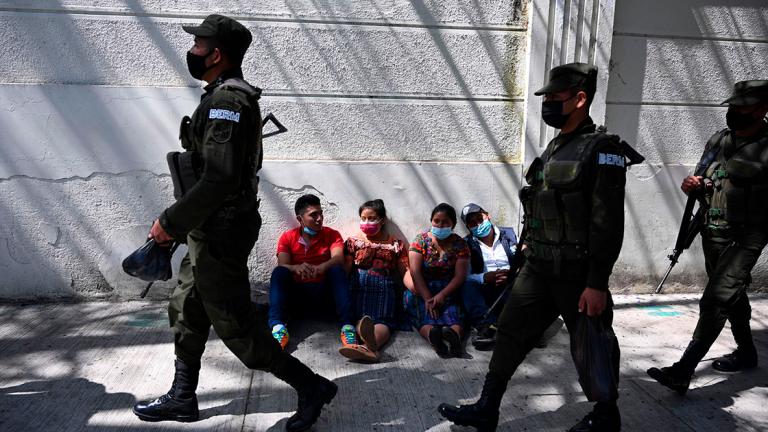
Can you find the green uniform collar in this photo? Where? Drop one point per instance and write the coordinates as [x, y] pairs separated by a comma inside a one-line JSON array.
[[227, 74], [586, 126]]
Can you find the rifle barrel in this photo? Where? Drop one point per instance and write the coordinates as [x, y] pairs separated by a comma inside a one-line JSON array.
[[146, 289], [664, 279]]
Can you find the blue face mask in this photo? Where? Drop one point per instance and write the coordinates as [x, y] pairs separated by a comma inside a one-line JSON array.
[[441, 233], [310, 231], [482, 230]]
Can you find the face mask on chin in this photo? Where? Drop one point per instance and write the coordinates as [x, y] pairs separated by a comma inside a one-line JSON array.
[[196, 64]]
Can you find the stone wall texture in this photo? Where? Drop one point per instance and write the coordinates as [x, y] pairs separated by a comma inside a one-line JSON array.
[[413, 101]]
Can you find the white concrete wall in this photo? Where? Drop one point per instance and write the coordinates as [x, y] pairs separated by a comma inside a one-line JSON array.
[[415, 102], [672, 63], [412, 101]]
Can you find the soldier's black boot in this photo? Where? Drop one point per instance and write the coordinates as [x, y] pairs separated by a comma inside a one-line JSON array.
[[179, 404], [745, 356], [313, 391], [672, 377], [742, 358], [678, 376], [604, 417], [483, 414]]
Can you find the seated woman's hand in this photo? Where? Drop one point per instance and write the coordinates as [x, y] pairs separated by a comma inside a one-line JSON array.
[[438, 300], [434, 306]]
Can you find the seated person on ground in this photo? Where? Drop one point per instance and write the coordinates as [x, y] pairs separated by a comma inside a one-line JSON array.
[[310, 277], [438, 266], [376, 261], [492, 248]]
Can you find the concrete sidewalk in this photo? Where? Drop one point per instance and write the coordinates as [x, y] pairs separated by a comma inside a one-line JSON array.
[[73, 367]]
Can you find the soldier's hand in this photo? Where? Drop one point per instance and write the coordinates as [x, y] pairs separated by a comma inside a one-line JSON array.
[[592, 301], [157, 232], [691, 183]]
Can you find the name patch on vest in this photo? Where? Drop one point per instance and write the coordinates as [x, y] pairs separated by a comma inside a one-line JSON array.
[[222, 114], [610, 159]]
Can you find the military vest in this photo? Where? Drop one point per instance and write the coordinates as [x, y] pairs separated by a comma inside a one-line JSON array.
[[738, 199], [557, 200], [192, 129]]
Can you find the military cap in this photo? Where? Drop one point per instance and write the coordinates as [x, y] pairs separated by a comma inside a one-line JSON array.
[[231, 34], [469, 209], [748, 93], [568, 76]]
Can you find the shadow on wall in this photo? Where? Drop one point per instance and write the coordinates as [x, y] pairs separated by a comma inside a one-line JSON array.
[[66, 236], [668, 75]]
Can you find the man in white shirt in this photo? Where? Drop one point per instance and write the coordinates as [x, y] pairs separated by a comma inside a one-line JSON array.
[[492, 249]]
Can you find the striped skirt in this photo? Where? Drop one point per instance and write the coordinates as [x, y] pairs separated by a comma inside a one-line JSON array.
[[373, 295]]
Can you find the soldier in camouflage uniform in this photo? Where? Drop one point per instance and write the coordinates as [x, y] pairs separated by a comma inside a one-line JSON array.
[[216, 214], [573, 232], [734, 196]]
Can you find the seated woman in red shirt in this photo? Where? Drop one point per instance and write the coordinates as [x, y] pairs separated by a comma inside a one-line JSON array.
[[310, 276], [376, 260], [439, 260]]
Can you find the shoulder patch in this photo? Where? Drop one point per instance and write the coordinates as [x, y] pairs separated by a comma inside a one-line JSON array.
[[223, 114], [610, 159]]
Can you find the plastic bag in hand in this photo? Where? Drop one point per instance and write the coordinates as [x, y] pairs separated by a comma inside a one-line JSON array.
[[595, 349], [150, 262]]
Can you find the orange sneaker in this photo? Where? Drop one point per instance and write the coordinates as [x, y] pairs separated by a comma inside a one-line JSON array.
[[348, 336], [365, 328], [280, 333], [359, 353]]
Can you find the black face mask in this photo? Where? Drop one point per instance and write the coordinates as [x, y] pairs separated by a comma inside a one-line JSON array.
[[738, 120], [552, 113], [196, 64]]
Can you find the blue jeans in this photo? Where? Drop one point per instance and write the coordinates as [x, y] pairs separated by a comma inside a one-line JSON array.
[[312, 298], [477, 298]]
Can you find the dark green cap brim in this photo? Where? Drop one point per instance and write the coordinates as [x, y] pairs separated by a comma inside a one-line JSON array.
[[743, 100], [202, 31], [554, 87]]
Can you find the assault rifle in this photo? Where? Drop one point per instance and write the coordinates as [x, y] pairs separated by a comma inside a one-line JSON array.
[[270, 118], [691, 224], [689, 228]]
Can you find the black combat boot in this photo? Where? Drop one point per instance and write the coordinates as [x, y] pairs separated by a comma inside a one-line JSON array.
[[678, 376], [179, 404], [672, 377], [483, 414], [745, 356], [742, 358], [313, 391], [604, 417]]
